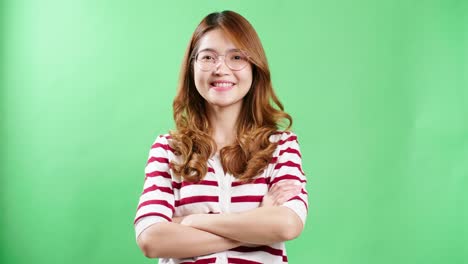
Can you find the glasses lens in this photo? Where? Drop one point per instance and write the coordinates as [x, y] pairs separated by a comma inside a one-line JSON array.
[[206, 60], [235, 60]]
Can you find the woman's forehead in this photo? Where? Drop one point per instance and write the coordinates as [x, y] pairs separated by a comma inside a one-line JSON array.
[[216, 40]]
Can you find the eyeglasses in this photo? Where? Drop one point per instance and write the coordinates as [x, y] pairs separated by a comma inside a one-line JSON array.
[[207, 60]]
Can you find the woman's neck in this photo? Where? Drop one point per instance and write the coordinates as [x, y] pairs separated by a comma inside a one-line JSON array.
[[223, 121]]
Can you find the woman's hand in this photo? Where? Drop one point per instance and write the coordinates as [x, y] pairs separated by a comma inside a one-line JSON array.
[[281, 192]]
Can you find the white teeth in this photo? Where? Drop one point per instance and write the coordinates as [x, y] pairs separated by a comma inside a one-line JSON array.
[[223, 84]]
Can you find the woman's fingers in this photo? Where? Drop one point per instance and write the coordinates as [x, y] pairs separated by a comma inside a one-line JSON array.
[[286, 196], [283, 191], [283, 186]]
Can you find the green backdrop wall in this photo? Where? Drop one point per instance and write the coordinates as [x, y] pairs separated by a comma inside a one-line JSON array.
[[378, 91]]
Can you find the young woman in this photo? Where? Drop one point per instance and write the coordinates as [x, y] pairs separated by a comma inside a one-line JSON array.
[[227, 185]]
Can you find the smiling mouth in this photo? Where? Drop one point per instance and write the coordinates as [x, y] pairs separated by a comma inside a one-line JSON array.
[[222, 86]]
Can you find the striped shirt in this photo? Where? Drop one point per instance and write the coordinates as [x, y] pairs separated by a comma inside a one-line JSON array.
[[165, 196]]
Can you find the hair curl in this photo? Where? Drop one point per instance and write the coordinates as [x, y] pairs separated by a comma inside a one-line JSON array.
[[261, 116]]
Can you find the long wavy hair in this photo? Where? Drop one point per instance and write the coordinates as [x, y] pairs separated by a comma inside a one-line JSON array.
[[261, 116]]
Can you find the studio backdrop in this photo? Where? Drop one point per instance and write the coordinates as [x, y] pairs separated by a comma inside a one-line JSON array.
[[378, 91]]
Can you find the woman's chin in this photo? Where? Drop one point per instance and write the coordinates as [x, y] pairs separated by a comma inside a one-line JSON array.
[[224, 103]]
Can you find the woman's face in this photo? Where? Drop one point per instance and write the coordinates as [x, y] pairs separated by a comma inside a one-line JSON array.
[[221, 86]]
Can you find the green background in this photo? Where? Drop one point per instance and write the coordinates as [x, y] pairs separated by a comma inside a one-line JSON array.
[[378, 91]]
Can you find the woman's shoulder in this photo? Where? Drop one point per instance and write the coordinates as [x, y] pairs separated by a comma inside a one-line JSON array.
[[282, 136], [163, 138], [163, 142]]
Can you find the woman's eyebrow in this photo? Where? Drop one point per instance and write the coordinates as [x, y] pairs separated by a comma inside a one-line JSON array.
[[214, 50]]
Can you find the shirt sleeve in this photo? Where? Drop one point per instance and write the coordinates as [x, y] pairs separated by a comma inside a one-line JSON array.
[[156, 202], [288, 166]]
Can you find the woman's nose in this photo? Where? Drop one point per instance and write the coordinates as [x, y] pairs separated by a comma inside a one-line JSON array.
[[220, 64]]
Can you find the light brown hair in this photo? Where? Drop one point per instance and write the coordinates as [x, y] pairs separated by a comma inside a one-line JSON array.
[[261, 115]]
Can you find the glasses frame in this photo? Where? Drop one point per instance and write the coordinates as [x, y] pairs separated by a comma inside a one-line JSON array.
[[217, 60]]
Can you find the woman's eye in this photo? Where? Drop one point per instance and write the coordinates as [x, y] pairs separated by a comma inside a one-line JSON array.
[[237, 57], [207, 58]]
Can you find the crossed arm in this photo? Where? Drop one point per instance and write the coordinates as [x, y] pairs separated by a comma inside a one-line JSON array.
[[201, 234]]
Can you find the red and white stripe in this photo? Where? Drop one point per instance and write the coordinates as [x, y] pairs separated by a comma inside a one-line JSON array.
[[165, 195]]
